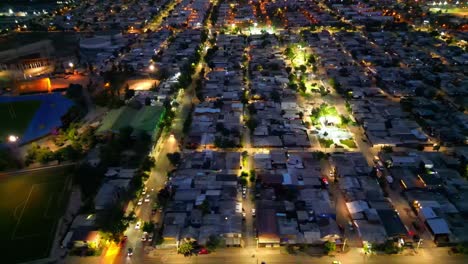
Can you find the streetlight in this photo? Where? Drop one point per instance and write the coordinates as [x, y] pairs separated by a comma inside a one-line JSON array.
[[151, 67], [13, 138]]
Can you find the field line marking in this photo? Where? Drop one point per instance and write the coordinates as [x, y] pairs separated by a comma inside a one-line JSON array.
[[22, 212], [49, 201], [27, 236], [56, 225], [16, 210], [12, 111]]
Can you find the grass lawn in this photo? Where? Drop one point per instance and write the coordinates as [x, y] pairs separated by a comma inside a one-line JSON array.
[[325, 143], [30, 206], [349, 143], [16, 117], [454, 11]]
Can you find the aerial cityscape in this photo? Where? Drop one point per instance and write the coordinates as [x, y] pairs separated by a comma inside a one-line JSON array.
[[222, 131]]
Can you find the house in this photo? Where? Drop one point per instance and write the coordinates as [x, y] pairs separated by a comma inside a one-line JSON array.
[[171, 236], [392, 223], [268, 234], [109, 193], [439, 230]]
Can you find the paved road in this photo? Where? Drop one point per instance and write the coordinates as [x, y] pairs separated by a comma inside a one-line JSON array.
[[269, 256]]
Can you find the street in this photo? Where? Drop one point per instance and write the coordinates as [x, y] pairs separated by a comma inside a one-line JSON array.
[[275, 255]]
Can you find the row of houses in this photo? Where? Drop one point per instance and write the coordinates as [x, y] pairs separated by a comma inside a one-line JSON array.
[[371, 212], [188, 13], [204, 200], [273, 106], [217, 121], [434, 189], [292, 202], [109, 15]]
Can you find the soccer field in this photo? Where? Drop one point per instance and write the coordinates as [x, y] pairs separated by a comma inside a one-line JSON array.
[[16, 117], [30, 205]]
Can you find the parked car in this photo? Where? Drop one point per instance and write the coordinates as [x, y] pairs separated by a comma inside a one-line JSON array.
[[138, 225], [147, 198], [130, 252], [123, 241], [324, 182], [253, 212], [140, 201], [203, 251], [150, 237], [144, 236]]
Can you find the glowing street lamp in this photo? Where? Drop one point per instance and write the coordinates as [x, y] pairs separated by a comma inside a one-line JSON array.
[[12, 138], [151, 67], [71, 65]]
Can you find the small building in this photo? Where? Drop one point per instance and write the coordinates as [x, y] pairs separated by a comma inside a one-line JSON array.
[[439, 229], [268, 235]]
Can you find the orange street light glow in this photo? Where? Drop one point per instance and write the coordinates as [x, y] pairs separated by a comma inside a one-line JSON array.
[[111, 253]]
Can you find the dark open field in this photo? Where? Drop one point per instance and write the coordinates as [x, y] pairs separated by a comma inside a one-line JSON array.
[[16, 117], [30, 205]]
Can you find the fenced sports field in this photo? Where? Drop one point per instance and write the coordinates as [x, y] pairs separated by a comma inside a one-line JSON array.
[[30, 205], [31, 116], [16, 116]]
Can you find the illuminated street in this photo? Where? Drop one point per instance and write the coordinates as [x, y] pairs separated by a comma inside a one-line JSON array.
[[220, 131]]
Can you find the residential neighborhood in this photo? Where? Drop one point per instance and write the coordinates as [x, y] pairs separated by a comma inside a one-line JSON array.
[[218, 131]]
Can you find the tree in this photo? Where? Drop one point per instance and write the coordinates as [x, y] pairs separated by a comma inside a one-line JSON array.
[[311, 59], [329, 247], [37, 153], [186, 248], [148, 163], [243, 181], [275, 96], [125, 135], [214, 242], [387, 149], [252, 124], [148, 227], [70, 152], [205, 207], [7, 160], [89, 179], [289, 52], [303, 68], [163, 74], [110, 153], [163, 197], [174, 158], [253, 176], [129, 93], [462, 248], [74, 91], [334, 83], [115, 223]]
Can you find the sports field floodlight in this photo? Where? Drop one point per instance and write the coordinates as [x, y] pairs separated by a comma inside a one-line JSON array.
[[12, 138]]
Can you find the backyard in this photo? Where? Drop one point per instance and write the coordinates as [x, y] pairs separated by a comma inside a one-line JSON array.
[[30, 205]]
